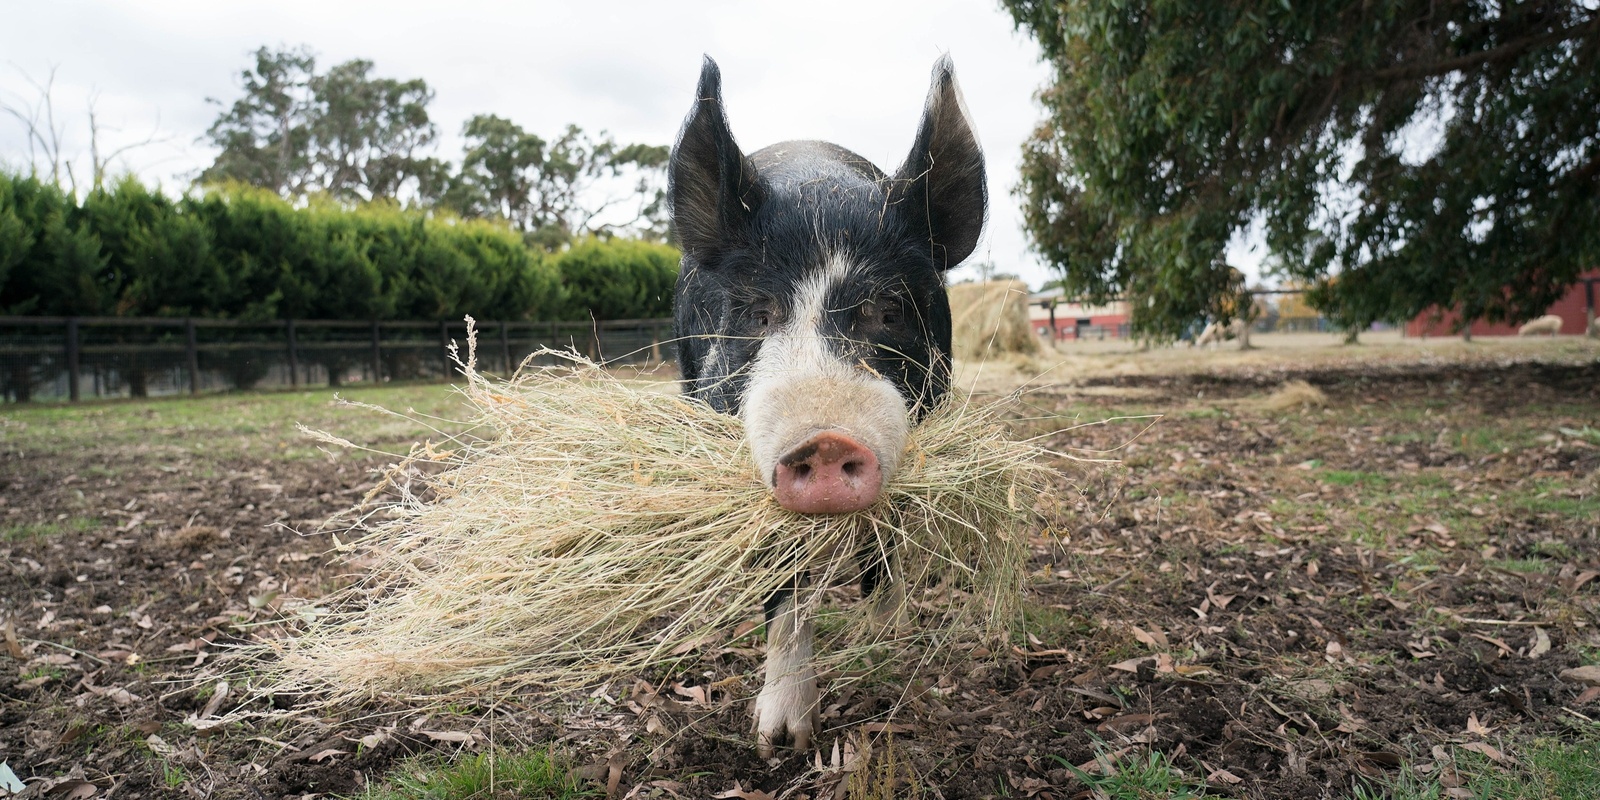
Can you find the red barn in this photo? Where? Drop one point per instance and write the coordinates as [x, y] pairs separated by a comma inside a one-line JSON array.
[[1574, 309], [1076, 320]]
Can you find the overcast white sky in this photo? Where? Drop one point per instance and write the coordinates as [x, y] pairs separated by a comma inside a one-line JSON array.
[[854, 73]]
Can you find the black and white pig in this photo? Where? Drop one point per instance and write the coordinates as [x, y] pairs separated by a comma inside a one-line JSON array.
[[812, 303]]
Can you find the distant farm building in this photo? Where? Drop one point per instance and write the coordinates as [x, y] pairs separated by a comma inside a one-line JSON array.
[[1051, 316], [1575, 309]]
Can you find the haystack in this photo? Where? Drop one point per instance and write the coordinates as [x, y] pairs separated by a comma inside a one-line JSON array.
[[589, 529], [1294, 394], [991, 319]]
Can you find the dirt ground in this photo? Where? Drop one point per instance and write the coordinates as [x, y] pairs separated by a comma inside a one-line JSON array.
[[1300, 601]]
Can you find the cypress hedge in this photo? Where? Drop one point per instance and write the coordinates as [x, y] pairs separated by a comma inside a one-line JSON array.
[[236, 252]]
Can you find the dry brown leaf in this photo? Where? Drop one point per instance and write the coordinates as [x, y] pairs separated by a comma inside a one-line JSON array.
[[1588, 695], [1475, 727], [1587, 675], [614, 766], [325, 754], [1487, 750], [1504, 648], [74, 790], [1223, 776], [1151, 638], [697, 694], [159, 746], [742, 793], [1163, 663], [1105, 763], [1540, 644], [217, 697], [459, 737], [1128, 722], [13, 646]]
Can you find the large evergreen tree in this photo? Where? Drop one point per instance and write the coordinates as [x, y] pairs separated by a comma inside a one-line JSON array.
[[1400, 155], [344, 132]]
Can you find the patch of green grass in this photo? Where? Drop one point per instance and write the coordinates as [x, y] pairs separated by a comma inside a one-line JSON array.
[[1139, 777], [173, 775], [1534, 566], [39, 530], [1554, 548], [1546, 769], [1487, 439], [1053, 626], [201, 432], [538, 774], [1586, 433], [1341, 477]]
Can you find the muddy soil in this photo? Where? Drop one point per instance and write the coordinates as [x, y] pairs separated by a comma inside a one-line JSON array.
[[1228, 596]]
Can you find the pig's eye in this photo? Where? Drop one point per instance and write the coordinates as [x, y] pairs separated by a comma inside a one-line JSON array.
[[761, 315], [886, 311]]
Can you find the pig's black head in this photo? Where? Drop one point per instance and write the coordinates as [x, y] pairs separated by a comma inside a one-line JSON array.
[[811, 299]]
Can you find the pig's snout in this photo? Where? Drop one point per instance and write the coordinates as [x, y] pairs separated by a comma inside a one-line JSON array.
[[829, 473]]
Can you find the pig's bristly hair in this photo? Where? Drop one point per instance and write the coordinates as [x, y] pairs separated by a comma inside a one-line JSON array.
[[591, 529]]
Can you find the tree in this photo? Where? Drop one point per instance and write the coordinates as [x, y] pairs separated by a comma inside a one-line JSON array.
[[1401, 155], [345, 133], [265, 136], [47, 139], [557, 190]]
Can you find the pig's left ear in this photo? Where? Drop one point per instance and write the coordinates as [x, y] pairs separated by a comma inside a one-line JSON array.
[[940, 189], [712, 188]]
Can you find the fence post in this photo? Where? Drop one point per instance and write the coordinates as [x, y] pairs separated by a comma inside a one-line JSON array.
[[444, 347], [505, 345], [72, 359], [192, 355], [377, 355], [655, 343], [294, 355]]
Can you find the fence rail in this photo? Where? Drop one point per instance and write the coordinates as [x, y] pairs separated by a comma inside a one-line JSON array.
[[73, 358]]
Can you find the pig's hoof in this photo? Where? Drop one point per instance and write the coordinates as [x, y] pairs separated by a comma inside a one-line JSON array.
[[786, 713]]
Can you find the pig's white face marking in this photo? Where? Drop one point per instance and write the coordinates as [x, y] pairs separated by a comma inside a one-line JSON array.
[[801, 383]]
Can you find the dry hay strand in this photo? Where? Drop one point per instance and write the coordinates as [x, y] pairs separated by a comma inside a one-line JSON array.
[[591, 529], [989, 319], [1294, 394]]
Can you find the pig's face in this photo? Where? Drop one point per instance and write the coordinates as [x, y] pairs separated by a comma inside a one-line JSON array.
[[811, 299]]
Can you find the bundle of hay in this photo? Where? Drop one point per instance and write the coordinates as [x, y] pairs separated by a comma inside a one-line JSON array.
[[1294, 394], [991, 319], [594, 529]]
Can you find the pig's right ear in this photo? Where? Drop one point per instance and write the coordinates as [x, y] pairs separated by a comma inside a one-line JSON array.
[[713, 188]]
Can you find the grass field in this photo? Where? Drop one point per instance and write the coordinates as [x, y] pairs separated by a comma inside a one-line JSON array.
[[1376, 595]]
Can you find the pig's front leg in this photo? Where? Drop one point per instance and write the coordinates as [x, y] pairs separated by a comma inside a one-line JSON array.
[[786, 710]]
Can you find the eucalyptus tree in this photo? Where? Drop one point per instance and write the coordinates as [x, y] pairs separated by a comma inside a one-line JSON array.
[[1398, 154]]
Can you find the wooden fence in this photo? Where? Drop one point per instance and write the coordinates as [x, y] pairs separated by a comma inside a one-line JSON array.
[[72, 358]]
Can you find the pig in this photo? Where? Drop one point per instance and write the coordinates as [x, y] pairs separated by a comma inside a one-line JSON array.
[[811, 303]]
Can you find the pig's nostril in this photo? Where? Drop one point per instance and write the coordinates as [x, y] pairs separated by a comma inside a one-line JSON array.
[[802, 470], [852, 468]]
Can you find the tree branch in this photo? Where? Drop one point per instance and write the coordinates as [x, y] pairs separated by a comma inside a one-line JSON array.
[[1505, 52]]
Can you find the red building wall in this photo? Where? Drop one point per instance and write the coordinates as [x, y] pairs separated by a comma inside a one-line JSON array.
[[1067, 327], [1570, 308]]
